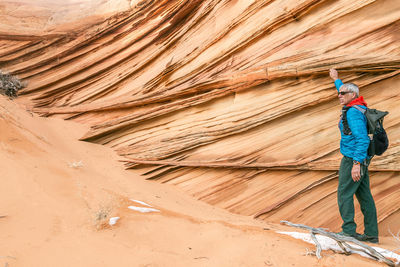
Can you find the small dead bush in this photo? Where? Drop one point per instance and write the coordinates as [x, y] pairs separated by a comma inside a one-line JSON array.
[[10, 84], [102, 217]]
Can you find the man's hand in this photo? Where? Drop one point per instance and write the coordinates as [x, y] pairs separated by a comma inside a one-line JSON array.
[[334, 74], [356, 172]]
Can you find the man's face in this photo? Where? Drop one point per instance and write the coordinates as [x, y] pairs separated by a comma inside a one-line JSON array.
[[345, 96]]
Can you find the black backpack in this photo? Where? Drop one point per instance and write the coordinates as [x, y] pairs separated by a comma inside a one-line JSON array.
[[377, 134]]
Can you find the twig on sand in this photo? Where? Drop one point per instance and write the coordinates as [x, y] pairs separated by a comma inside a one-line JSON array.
[[345, 251], [342, 242], [309, 252], [396, 237], [2, 216], [319, 248]]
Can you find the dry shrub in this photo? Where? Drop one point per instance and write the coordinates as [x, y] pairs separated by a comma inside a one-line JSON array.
[[102, 216], [10, 84]]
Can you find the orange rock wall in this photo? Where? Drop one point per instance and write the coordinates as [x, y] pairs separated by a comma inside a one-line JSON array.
[[229, 100]]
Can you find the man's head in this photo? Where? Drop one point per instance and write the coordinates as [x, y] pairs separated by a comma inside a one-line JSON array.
[[347, 93]]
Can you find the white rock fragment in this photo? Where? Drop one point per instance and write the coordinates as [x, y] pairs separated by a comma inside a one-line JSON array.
[[143, 210], [113, 220], [140, 202], [76, 164]]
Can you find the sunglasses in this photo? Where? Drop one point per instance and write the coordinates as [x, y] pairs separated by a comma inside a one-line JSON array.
[[343, 93]]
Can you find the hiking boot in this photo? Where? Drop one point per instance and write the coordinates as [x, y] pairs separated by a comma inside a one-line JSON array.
[[355, 235], [370, 239]]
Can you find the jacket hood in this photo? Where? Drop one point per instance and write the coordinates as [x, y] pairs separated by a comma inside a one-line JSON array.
[[358, 101]]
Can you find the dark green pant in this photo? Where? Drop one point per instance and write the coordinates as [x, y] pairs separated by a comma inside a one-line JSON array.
[[346, 190]]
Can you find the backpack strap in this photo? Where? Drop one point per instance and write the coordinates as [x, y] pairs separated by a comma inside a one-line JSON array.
[[346, 128], [359, 109]]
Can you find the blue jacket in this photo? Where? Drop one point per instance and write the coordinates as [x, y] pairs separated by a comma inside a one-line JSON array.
[[354, 146]]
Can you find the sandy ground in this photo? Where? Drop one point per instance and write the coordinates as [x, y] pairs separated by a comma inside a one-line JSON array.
[[57, 194]]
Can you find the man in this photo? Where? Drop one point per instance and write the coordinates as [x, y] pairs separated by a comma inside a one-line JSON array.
[[353, 172]]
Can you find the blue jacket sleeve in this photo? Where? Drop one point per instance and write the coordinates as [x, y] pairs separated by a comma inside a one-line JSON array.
[[338, 84], [358, 126]]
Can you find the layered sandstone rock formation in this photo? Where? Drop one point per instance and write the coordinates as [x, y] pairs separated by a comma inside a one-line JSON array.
[[228, 100]]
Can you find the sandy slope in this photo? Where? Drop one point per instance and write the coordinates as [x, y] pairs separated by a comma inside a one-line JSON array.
[[55, 212]]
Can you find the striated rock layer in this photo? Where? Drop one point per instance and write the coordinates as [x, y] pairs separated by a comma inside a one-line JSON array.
[[228, 100]]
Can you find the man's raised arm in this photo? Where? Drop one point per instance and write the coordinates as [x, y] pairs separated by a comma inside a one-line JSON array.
[[335, 77]]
